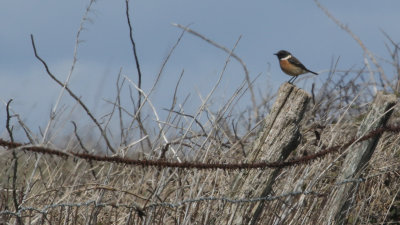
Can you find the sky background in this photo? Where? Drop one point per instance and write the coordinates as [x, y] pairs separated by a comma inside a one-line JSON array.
[[264, 26]]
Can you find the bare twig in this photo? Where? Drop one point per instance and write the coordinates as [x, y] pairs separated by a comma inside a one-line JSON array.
[[358, 40], [138, 118], [203, 105], [15, 167], [118, 101], [9, 130], [155, 114], [103, 133], [225, 49], [173, 103], [75, 58], [134, 51], [395, 58], [27, 131], [84, 148], [195, 120]]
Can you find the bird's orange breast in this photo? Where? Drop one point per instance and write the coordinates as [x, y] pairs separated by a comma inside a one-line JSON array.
[[290, 69]]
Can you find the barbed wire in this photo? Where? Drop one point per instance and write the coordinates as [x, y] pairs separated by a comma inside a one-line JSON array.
[[46, 209], [135, 207], [142, 210], [199, 165], [234, 201]]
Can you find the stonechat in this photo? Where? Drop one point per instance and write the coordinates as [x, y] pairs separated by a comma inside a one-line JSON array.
[[291, 65]]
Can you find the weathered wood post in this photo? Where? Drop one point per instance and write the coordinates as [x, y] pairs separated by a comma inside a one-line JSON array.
[[339, 203], [279, 136]]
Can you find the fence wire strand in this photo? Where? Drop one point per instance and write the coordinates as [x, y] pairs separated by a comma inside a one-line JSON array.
[[141, 210], [199, 165]]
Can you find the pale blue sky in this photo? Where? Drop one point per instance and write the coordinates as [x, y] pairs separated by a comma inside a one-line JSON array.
[[266, 27]]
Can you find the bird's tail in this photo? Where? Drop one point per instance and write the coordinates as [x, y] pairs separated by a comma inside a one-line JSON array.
[[312, 72]]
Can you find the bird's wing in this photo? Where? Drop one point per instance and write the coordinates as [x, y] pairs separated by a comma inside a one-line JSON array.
[[297, 63]]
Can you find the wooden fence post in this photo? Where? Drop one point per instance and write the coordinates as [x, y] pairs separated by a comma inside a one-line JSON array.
[[339, 203], [279, 136]]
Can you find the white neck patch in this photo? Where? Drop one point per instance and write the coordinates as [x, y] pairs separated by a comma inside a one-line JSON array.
[[287, 57]]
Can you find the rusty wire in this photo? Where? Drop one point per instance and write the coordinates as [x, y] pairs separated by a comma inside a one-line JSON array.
[[200, 165]]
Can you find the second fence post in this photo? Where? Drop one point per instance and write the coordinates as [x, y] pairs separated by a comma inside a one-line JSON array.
[[279, 136], [357, 158]]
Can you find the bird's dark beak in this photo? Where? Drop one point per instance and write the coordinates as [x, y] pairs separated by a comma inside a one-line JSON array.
[[275, 53]]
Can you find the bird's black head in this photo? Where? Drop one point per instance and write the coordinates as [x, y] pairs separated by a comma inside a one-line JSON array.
[[282, 54]]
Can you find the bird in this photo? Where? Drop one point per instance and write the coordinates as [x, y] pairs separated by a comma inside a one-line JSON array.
[[291, 65]]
